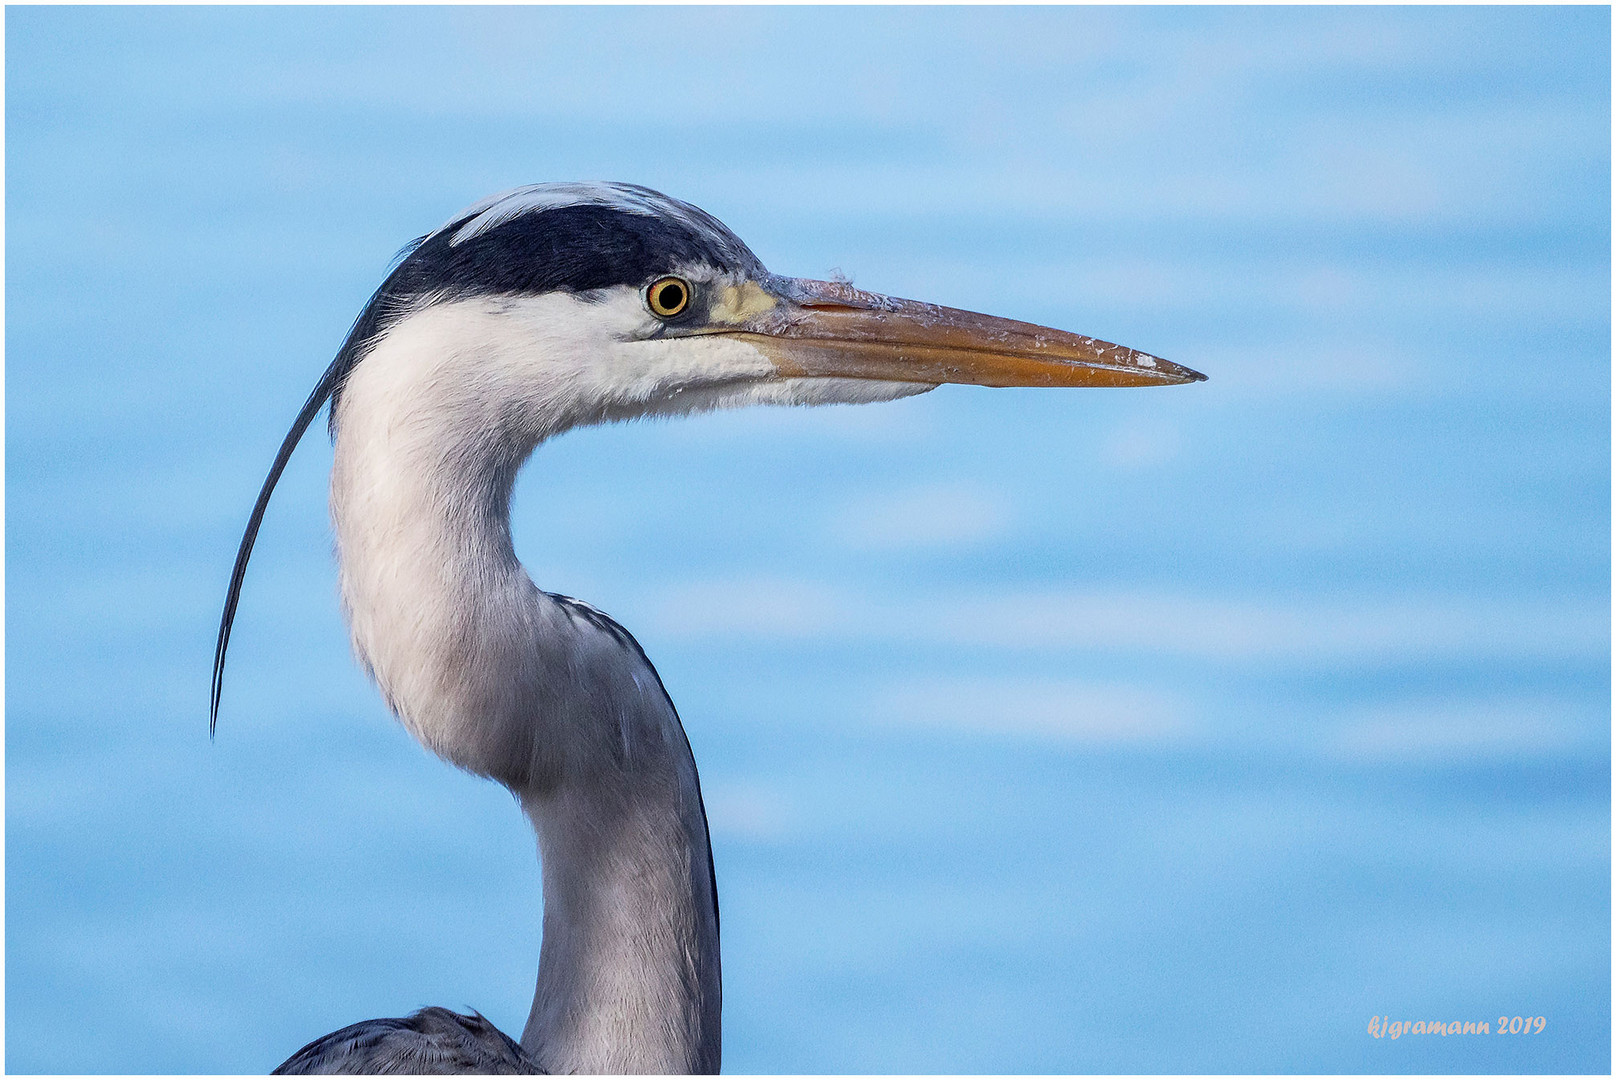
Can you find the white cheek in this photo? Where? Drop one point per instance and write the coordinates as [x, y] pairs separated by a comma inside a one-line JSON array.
[[603, 357], [663, 370]]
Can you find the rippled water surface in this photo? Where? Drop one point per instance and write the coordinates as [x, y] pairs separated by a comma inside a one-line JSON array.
[[1180, 729]]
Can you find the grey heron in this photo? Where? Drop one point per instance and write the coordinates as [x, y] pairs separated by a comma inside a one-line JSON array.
[[532, 312]]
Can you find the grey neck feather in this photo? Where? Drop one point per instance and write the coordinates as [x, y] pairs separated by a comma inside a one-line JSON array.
[[540, 693]]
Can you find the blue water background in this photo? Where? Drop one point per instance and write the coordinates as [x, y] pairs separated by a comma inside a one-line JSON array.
[[1180, 729]]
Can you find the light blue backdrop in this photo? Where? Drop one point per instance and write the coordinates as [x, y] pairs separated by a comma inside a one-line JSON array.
[[1182, 729]]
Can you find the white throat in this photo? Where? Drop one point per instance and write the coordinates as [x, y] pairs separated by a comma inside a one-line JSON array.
[[540, 693]]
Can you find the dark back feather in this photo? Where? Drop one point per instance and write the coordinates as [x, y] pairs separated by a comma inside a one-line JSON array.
[[432, 1042]]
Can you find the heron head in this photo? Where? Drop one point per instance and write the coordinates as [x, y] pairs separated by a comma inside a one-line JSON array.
[[604, 301]]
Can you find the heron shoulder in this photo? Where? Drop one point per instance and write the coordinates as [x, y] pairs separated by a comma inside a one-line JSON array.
[[432, 1041]]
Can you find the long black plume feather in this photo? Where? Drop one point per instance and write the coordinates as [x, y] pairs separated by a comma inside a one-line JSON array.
[[311, 408], [365, 330]]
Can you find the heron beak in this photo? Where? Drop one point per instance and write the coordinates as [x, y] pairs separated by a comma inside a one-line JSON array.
[[828, 329]]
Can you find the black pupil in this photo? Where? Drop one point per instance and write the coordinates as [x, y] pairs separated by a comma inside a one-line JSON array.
[[670, 296]]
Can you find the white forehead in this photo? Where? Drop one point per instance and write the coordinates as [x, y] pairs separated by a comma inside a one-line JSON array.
[[629, 198]]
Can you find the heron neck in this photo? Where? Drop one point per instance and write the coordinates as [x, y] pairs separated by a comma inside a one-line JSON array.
[[629, 968], [543, 694]]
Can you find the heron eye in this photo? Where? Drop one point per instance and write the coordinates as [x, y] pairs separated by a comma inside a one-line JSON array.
[[668, 296]]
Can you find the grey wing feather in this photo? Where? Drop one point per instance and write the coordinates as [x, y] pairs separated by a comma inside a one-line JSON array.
[[432, 1041]]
